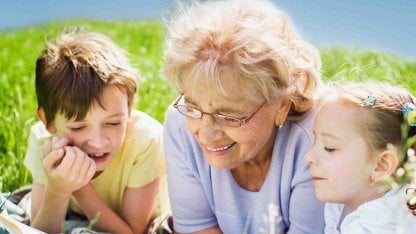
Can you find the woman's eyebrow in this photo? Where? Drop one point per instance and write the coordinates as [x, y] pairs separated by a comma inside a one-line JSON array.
[[220, 108]]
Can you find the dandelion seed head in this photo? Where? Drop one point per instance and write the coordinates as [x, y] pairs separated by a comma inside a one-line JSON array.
[[410, 152], [400, 172]]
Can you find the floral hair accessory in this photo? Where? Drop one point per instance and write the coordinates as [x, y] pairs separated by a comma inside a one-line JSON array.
[[369, 100], [409, 113]]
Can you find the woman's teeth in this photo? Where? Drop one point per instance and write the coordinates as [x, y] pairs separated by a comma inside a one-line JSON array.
[[220, 148]]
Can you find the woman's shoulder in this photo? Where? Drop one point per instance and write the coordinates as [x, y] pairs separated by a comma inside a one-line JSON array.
[[175, 123], [306, 123], [173, 117], [143, 120], [301, 129]]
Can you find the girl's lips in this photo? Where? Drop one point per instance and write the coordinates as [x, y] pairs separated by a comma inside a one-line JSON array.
[[219, 150]]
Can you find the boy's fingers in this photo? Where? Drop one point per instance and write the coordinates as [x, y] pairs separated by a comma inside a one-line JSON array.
[[54, 143], [91, 170], [68, 160], [47, 147], [54, 140], [53, 158], [61, 142], [87, 170], [80, 161]]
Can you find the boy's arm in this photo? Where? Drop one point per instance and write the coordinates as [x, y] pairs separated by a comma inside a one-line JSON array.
[[137, 208], [139, 205], [46, 204], [67, 169]]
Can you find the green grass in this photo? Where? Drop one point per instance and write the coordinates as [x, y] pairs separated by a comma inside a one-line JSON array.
[[360, 65], [143, 40]]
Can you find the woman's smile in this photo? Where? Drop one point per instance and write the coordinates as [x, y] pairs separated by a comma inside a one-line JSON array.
[[221, 150]]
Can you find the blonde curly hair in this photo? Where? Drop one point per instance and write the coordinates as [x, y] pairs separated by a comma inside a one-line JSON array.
[[252, 40]]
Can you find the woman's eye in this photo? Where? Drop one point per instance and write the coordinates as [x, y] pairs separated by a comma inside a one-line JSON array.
[[191, 110], [114, 123], [230, 119]]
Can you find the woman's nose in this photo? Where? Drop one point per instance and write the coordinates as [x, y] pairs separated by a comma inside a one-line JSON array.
[[208, 130]]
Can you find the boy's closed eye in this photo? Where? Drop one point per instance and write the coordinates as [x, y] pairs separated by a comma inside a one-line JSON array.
[[75, 129]]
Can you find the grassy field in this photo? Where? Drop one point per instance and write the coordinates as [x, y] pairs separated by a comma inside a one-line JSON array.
[[143, 40]]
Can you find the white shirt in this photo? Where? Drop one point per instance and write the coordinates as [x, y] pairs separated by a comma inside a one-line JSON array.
[[385, 215]]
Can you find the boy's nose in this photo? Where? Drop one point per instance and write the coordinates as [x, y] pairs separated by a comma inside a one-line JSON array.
[[98, 140]]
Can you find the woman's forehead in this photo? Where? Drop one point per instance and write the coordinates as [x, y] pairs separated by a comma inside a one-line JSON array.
[[226, 86]]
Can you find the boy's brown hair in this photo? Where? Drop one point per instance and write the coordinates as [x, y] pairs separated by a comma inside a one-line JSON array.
[[73, 70]]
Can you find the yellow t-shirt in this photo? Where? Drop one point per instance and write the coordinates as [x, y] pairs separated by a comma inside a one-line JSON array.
[[139, 161]]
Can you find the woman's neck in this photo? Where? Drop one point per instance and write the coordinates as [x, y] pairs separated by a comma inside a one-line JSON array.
[[252, 174]]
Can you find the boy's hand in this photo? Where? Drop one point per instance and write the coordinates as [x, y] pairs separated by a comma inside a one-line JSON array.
[[68, 168], [55, 143]]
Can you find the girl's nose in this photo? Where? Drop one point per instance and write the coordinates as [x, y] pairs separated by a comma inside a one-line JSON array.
[[310, 158]]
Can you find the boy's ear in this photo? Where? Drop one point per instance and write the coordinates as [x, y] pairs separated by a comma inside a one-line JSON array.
[[386, 165], [282, 112], [41, 115]]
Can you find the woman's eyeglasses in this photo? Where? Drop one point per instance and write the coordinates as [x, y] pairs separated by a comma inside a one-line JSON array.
[[221, 119]]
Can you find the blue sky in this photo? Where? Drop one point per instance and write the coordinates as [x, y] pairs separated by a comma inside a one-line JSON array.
[[386, 25]]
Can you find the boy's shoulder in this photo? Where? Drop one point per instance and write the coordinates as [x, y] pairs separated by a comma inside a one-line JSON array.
[[39, 130], [143, 119], [142, 124]]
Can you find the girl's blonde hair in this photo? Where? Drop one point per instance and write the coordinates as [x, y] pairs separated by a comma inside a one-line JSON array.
[[380, 106], [253, 41]]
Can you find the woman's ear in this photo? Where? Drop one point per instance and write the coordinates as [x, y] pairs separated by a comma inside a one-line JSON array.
[[386, 165], [282, 112], [41, 115]]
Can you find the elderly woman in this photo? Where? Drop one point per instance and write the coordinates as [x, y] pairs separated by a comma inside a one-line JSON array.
[[237, 134]]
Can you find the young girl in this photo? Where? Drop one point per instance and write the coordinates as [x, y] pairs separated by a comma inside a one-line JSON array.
[[350, 161]]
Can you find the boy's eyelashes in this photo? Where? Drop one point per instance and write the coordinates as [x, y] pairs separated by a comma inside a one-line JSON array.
[[76, 128], [114, 123], [82, 127]]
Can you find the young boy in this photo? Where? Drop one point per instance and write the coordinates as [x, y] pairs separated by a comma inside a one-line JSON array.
[[91, 152]]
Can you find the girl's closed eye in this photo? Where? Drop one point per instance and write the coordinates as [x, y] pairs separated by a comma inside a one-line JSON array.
[[329, 149]]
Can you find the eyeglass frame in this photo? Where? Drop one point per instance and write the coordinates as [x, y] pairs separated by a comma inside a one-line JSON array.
[[241, 121]]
